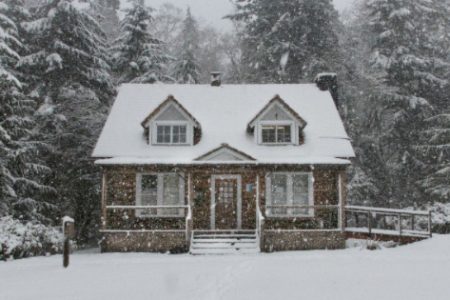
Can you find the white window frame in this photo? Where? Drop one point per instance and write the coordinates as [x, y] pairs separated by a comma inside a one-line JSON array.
[[261, 124], [290, 194], [154, 132], [160, 195]]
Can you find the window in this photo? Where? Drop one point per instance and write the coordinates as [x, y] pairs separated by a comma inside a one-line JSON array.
[[285, 191], [159, 189], [276, 134], [226, 192], [171, 134]]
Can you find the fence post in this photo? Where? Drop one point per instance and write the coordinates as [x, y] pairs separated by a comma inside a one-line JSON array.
[[369, 221], [400, 224], [429, 224], [413, 217], [68, 227]]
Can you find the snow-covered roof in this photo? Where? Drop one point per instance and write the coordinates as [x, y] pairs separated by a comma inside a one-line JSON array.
[[223, 113]]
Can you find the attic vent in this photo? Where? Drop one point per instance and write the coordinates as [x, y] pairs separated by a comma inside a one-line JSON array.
[[216, 78]]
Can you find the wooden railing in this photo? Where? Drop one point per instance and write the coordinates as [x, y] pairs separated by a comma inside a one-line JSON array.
[[385, 221], [157, 212], [326, 217]]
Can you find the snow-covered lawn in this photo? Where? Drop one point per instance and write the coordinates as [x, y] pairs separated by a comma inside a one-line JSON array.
[[417, 271]]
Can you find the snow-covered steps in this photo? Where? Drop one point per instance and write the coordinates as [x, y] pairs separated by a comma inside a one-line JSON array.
[[224, 242]]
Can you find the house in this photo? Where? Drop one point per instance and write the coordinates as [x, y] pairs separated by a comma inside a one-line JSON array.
[[234, 167]]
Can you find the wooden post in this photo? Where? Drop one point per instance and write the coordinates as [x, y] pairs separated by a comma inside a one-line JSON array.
[[103, 200], [189, 221], [68, 226], [430, 223], [341, 200], [399, 224], [369, 222], [412, 222]]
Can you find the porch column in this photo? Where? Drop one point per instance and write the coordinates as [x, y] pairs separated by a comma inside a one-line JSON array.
[[103, 200], [189, 221], [342, 200]]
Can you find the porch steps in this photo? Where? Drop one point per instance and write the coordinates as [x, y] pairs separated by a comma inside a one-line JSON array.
[[224, 242]]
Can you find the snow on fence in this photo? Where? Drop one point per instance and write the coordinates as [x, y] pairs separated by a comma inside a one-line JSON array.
[[385, 221]]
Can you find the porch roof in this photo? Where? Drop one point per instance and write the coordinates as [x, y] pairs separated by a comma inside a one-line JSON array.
[[149, 161]]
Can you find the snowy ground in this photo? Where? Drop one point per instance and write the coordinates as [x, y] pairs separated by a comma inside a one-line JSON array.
[[418, 271]]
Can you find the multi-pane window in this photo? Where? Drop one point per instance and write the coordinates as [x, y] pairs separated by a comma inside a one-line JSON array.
[[159, 190], [171, 134], [276, 134], [289, 194], [226, 192]]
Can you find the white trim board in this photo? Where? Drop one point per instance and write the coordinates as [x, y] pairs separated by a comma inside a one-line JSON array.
[[213, 199]]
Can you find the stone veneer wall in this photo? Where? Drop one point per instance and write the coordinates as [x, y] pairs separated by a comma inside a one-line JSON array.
[[174, 242], [302, 240]]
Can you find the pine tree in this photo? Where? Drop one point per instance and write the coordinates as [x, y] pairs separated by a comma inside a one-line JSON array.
[[406, 68], [23, 189], [68, 70], [186, 69], [68, 47], [137, 55], [106, 12], [436, 154], [288, 41]]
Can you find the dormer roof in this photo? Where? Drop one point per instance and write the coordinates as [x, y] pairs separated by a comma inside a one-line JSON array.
[[276, 100], [170, 100]]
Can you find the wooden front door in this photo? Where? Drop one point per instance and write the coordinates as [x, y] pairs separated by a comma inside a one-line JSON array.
[[226, 202]]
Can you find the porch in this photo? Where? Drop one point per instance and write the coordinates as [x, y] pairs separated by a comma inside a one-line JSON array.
[[229, 209]]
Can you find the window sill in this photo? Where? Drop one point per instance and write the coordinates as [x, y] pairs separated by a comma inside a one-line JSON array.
[[169, 144], [277, 144], [301, 217], [161, 217]]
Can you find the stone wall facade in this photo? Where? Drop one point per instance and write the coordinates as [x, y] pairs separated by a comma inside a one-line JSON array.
[[173, 242], [302, 240], [119, 188]]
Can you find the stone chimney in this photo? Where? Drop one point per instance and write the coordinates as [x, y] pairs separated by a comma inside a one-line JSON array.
[[328, 82], [216, 79]]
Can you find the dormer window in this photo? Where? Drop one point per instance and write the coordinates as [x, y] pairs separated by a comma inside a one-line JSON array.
[[277, 124], [171, 133], [171, 124], [276, 133]]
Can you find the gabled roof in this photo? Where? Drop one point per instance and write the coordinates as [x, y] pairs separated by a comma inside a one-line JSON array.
[[237, 154], [277, 99], [169, 100], [223, 113]]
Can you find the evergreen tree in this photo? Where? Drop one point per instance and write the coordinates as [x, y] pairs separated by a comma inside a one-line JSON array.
[[106, 12], [436, 154], [288, 41], [23, 190], [186, 69], [406, 70], [137, 55], [68, 70]]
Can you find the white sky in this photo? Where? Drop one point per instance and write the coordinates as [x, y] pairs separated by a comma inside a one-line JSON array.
[[212, 11]]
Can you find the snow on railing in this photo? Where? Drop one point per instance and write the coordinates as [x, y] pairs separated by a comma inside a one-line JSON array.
[[386, 221]]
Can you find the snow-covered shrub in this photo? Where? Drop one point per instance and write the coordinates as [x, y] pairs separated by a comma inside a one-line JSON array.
[[440, 217], [19, 240]]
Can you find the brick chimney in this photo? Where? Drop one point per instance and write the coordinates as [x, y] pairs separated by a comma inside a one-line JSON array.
[[216, 79], [328, 82]]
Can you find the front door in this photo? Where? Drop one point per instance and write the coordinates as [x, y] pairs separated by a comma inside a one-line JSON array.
[[226, 202]]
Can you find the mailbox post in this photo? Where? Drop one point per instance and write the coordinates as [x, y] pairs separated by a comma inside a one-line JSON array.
[[68, 227]]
